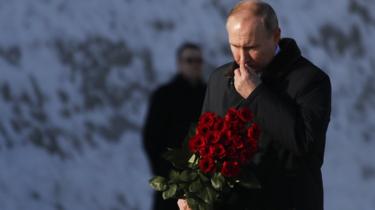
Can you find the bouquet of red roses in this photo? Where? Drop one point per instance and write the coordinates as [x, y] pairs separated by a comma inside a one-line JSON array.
[[214, 161]]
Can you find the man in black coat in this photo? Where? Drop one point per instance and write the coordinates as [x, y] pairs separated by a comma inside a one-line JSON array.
[[291, 100], [173, 107]]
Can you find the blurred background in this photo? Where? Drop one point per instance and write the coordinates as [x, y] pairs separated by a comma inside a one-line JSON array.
[[76, 75]]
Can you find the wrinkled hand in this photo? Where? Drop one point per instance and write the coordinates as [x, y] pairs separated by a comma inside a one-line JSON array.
[[183, 205], [245, 79]]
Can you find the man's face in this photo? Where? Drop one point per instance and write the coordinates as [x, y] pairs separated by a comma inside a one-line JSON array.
[[190, 64], [250, 41]]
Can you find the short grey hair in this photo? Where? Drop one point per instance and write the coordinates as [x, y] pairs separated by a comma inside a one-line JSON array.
[[259, 9]]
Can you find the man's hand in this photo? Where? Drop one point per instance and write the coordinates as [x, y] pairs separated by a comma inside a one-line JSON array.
[[183, 205], [245, 79]]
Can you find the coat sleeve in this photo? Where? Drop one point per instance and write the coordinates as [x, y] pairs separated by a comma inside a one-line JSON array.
[[206, 101], [155, 128], [300, 124], [206, 107]]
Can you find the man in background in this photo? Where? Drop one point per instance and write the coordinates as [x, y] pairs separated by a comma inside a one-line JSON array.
[[173, 107]]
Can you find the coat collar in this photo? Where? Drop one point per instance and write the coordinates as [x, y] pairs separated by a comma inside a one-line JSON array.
[[281, 63]]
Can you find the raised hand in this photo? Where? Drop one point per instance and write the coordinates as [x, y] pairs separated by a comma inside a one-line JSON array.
[[183, 205], [245, 79]]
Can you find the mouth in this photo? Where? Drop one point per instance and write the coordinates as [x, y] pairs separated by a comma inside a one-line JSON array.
[[251, 65]]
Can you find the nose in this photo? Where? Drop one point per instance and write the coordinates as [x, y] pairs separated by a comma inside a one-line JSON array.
[[244, 56]]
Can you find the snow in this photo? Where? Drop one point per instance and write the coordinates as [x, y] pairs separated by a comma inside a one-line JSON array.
[[89, 153]]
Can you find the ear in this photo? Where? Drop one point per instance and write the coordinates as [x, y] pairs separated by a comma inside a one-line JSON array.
[[277, 35]]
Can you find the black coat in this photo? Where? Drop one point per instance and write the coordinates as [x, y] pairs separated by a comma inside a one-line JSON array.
[[172, 109], [292, 106]]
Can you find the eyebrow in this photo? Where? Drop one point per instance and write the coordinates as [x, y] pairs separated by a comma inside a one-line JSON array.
[[247, 46]]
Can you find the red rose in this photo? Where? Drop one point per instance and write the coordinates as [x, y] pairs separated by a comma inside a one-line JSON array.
[[238, 125], [217, 151], [202, 130], [253, 145], [229, 133], [231, 115], [232, 137], [195, 143], [245, 114], [219, 124], [207, 119], [225, 137], [220, 137], [230, 168], [238, 142], [231, 152], [253, 132], [207, 165], [210, 138], [204, 151]]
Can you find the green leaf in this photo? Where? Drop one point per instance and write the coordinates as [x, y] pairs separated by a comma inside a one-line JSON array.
[[250, 184], [174, 176], [218, 181], [178, 157], [209, 195], [188, 175], [203, 177], [193, 159], [204, 206], [158, 183], [230, 184], [195, 186], [183, 186], [170, 192], [191, 133], [193, 203], [185, 176], [249, 181]]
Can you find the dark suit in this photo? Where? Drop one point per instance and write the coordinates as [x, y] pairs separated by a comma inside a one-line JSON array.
[[173, 107], [292, 106]]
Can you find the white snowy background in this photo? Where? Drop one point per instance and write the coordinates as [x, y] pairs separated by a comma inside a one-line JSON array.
[[75, 76]]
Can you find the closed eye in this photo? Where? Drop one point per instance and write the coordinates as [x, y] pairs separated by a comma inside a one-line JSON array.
[[247, 48]]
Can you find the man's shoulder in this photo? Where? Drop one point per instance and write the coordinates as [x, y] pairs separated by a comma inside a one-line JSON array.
[[221, 71], [305, 68], [306, 73], [225, 67], [163, 90]]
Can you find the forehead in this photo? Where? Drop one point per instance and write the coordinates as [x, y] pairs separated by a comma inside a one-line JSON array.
[[189, 52], [249, 29]]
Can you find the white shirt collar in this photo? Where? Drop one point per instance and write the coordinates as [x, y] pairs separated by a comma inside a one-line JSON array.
[[277, 50]]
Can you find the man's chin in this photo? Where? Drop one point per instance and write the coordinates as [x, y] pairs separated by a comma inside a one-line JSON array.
[[255, 68]]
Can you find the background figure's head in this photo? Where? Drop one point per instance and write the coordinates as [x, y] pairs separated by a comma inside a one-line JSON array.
[[253, 33], [190, 61]]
